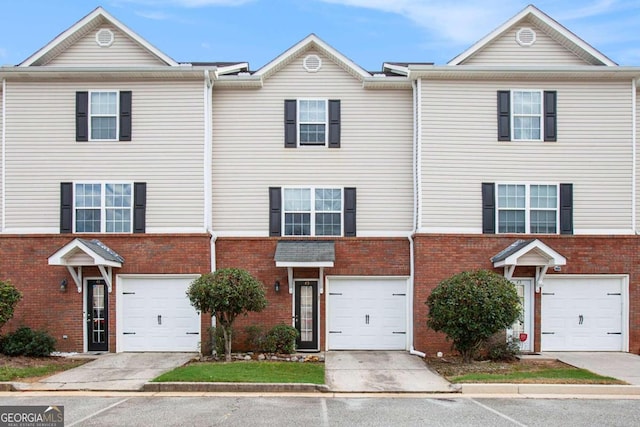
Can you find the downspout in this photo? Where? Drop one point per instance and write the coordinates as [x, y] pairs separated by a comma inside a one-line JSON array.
[[4, 154], [417, 142], [634, 136], [208, 165]]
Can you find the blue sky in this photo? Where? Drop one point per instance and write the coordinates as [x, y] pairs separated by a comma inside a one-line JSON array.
[[369, 32]]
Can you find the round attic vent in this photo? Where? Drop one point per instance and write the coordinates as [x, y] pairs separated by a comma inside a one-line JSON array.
[[526, 36], [312, 63], [105, 37]]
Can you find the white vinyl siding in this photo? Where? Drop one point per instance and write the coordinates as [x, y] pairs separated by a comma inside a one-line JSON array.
[[1, 159], [457, 158], [506, 51], [375, 154], [165, 151], [86, 52]]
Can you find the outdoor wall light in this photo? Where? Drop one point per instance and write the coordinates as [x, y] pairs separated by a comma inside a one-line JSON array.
[[63, 285], [276, 286]]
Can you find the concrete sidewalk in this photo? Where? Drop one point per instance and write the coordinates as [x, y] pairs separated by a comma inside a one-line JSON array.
[[623, 366], [381, 371], [112, 371]]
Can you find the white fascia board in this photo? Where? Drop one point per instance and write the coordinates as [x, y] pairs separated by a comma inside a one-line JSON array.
[[554, 257], [304, 264], [220, 71], [398, 69], [99, 11], [521, 71], [537, 13], [302, 45]]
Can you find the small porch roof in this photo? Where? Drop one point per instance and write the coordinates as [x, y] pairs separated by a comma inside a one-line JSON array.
[[528, 253], [305, 253], [87, 253]]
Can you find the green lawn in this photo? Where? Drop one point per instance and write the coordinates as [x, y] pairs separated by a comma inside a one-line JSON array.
[[10, 373], [248, 372], [550, 375]]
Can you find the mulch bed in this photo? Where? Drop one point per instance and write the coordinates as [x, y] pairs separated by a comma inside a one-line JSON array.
[[32, 362], [453, 366]]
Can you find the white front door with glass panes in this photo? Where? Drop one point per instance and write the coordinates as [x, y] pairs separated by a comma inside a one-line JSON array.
[[522, 329]]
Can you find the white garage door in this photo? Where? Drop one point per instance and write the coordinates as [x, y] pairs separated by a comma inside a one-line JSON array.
[[367, 314], [156, 315], [582, 314]]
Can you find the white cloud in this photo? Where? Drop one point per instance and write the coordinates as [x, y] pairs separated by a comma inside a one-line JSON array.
[[3, 52], [586, 11], [155, 15]]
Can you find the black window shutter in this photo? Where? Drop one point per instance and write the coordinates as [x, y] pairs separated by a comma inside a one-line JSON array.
[[290, 123], [82, 116], [488, 208], [139, 206], [550, 116], [66, 207], [334, 123], [125, 116], [350, 212], [504, 115], [275, 211], [566, 208]]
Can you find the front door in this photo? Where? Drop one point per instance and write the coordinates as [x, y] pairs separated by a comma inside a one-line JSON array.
[[97, 316], [522, 330], [306, 299]]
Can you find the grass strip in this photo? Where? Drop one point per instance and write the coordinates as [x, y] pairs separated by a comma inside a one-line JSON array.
[[254, 372], [553, 375]]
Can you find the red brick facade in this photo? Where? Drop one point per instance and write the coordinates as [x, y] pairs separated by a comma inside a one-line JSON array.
[[23, 261], [354, 257], [441, 256]]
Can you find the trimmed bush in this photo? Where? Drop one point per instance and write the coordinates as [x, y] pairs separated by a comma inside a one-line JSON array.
[[255, 337], [281, 339], [9, 297], [27, 342], [501, 348], [471, 306]]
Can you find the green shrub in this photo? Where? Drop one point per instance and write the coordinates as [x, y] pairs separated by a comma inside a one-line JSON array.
[[469, 307], [500, 348], [27, 342], [9, 297], [281, 339], [255, 337]]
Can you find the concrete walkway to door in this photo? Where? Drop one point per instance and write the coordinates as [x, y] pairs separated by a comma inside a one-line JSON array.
[[112, 372], [380, 371]]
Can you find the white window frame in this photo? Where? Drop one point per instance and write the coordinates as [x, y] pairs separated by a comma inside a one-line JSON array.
[[513, 114], [117, 114], [299, 122], [103, 206], [527, 206], [313, 211]]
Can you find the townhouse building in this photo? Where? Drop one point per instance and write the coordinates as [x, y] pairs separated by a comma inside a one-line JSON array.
[[350, 194]]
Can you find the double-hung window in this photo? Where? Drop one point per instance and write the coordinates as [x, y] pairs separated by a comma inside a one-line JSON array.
[[312, 120], [527, 208], [103, 207], [103, 116], [312, 211], [527, 115]]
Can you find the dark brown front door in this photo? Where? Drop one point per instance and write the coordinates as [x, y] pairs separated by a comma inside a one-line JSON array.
[[307, 314], [97, 316]]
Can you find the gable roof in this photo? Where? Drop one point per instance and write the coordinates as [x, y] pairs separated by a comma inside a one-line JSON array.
[[310, 42], [80, 29], [554, 29], [518, 249]]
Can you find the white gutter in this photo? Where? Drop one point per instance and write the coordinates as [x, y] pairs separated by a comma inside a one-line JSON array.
[[417, 142], [634, 129], [4, 154], [208, 164]]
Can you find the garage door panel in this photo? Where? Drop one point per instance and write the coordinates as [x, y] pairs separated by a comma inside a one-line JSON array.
[[582, 314], [365, 314], [157, 315]]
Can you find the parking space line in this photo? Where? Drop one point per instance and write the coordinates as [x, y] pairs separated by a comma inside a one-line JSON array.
[[98, 412], [325, 412], [498, 413]]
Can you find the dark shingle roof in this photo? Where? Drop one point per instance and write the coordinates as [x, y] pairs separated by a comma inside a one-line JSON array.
[[305, 251], [101, 249], [510, 250]]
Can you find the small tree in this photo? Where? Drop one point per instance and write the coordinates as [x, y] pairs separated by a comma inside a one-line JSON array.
[[470, 307], [9, 297], [226, 294]]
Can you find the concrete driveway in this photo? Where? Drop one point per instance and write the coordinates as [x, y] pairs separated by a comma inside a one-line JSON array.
[[113, 371], [380, 371], [623, 366]]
